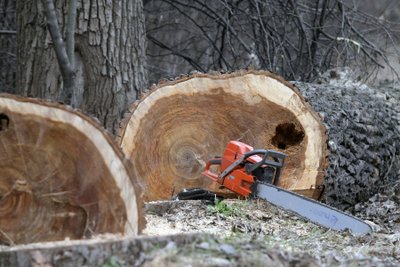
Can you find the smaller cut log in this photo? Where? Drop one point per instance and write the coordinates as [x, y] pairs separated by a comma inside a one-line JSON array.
[[179, 125], [61, 176]]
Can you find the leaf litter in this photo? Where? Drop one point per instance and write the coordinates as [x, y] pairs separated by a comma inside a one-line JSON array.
[[255, 233]]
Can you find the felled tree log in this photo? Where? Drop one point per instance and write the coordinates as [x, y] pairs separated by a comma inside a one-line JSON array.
[[364, 140], [61, 176], [178, 125]]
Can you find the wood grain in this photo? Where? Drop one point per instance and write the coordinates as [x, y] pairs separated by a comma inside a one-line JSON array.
[[174, 129], [61, 176]]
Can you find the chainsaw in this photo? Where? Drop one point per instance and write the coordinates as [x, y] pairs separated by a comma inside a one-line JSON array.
[[255, 173]]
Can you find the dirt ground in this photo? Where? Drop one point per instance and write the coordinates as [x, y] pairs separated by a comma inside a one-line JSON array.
[[255, 233], [231, 233]]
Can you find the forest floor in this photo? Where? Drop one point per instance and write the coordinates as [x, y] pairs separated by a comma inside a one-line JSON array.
[[230, 233], [255, 233]]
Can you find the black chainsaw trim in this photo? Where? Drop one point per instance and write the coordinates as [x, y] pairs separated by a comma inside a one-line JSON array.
[[197, 194]]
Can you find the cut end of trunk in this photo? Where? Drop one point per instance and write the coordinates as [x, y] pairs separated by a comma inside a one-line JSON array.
[[61, 176], [179, 125]]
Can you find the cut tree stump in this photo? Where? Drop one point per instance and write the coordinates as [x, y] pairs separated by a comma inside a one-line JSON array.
[[61, 176], [178, 125]]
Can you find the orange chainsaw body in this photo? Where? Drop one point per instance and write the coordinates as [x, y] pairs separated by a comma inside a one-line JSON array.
[[236, 177]]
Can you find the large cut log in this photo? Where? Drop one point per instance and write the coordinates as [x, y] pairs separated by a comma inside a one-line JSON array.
[[178, 125], [364, 141], [61, 176]]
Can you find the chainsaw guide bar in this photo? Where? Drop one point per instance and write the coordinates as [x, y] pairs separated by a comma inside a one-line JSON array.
[[311, 210], [255, 173]]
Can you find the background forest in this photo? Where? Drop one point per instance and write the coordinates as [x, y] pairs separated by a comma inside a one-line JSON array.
[[299, 40]]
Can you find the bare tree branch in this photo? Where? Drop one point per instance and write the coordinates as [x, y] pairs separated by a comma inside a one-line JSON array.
[[6, 32], [203, 32], [71, 22], [297, 39], [188, 59], [61, 53]]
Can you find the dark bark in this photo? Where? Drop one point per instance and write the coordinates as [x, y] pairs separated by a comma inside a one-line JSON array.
[[109, 56], [364, 140], [7, 45]]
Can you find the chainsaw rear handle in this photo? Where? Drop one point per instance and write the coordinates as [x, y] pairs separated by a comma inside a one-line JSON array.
[[213, 176]]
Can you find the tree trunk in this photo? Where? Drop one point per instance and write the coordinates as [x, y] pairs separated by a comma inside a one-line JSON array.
[[109, 56], [7, 46], [61, 176], [179, 125]]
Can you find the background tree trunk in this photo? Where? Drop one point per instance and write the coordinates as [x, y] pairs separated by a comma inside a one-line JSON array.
[[109, 56], [7, 45]]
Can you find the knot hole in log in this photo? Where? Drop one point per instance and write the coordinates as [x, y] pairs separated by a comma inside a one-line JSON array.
[[4, 121], [287, 135]]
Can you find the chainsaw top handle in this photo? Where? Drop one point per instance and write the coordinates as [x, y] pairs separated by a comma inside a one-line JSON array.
[[278, 158], [278, 161], [271, 158]]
